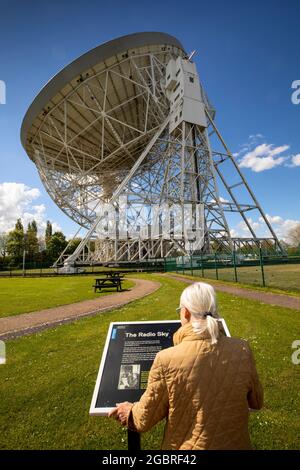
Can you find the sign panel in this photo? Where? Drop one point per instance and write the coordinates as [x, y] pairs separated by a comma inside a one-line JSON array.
[[129, 352]]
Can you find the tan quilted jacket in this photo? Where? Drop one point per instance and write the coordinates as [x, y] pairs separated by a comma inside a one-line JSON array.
[[204, 391]]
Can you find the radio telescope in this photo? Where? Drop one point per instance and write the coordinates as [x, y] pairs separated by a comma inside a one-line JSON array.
[[125, 135]]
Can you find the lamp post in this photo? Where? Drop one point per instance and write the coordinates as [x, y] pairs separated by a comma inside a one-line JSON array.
[[191, 238], [24, 254], [261, 261]]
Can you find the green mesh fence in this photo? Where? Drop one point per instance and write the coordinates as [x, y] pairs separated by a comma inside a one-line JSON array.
[[260, 270]]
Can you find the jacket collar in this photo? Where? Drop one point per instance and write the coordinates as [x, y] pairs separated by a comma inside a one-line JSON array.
[[186, 333]]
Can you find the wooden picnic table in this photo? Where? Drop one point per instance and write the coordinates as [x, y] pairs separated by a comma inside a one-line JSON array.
[[108, 281], [113, 274]]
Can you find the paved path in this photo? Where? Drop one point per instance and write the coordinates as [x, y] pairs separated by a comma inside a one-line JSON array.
[[281, 300], [27, 323]]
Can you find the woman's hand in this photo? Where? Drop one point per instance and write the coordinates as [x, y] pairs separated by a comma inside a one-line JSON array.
[[121, 412]]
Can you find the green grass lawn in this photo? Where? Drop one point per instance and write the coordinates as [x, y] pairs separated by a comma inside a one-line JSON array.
[[43, 270], [47, 383], [196, 276], [283, 276], [21, 295]]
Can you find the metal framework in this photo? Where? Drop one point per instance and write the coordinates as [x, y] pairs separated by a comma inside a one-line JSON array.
[[107, 135]]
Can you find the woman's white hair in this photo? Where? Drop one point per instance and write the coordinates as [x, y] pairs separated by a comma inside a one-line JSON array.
[[200, 300]]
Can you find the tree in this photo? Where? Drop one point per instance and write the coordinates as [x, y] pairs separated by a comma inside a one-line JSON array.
[[294, 236], [3, 245], [48, 233], [42, 244], [15, 242], [31, 240], [56, 245], [73, 244], [284, 244], [34, 226]]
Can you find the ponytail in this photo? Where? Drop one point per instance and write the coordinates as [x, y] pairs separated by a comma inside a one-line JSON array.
[[213, 328], [200, 299]]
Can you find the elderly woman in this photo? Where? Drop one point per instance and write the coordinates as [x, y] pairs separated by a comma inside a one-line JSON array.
[[204, 385]]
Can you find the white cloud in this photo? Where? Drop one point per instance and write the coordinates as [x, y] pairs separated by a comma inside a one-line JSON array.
[[274, 220], [296, 160], [253, 140], [222, 200], [263, 157], [284, 227], [18, 201], [280, 226], [243, 226], [260, 156], [234, 233]]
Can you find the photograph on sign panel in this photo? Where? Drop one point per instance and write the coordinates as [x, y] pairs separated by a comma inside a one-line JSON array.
[[129, 376]]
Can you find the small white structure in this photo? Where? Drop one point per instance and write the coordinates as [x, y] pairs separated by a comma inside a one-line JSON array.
[[2, 353]]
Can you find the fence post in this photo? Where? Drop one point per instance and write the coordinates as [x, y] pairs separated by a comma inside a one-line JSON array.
[[217, 274], [234, 264], [262, 266], [192, 272], [24, 266], [201, 258]]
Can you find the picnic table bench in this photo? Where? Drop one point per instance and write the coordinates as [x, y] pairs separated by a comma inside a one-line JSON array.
[[110, 274], [111, 280]]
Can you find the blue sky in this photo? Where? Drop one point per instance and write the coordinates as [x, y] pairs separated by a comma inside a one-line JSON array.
[[248, 55]]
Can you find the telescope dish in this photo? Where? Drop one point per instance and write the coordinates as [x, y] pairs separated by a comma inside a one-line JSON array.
[[88, 125]]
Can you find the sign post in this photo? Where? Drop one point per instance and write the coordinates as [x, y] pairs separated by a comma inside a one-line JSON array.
[[133, 441]]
